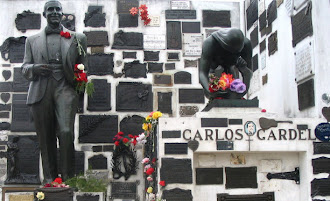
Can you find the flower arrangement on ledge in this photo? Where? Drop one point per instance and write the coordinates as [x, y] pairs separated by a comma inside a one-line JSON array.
[[143, 13], [57, 183], [224, 82]]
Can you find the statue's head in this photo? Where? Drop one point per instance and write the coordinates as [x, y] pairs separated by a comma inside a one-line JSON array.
[[231, 39], [53, 12]]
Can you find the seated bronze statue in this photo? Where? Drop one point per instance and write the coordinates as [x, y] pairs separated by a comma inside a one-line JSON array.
[[225, 51]]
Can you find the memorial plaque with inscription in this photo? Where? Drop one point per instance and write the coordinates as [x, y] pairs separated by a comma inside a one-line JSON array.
[[27, 20], [128, 40], [207, 176], [255, 63], [212, 18], [135, 69], [262, 46], [177, 194], [180, 5], [173, 56], [176, 171], [176, 148], [101, 99], [163, 80], [58, 194], [190, 63], [191, 96], [151, 56], [321, 165], [88, 197], [97, 128], [131, 125], [214, 122], [124, 190], [192, 44], [155, 67], [225, 145], [251, 13], [94, 17], [16, 50], [134, 96], [100, 64], [154, 41], [271, 12], [171, 134], [98, 162], [129, 55], [173, 34], [191, 27], [269, 196], [128, 20], [243, 177], [21, 115], [254, 37], [180, 14], [6, 86], [170, 66], [263, 21], [6, 74], [97, 38], [182, 77], [303, 59], [306, 96], [69, 21], [123, 6], [321, 147], [22, 160], [20, 83], [155, 21], [320, 187], [272, 43], [301, 26]]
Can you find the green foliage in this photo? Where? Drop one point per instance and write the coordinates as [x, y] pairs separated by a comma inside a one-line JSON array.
[[87, 184]]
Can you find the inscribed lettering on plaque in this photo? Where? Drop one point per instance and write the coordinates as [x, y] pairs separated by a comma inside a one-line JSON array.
[[192, 44], [154, 42], [304, 64]]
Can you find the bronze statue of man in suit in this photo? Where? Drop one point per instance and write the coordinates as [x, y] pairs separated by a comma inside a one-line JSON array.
[[49, 63]]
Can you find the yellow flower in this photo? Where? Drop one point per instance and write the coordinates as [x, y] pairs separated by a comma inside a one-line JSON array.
[[146, 126], [149, 190], [148, 118], [40, 196], [156, 115]]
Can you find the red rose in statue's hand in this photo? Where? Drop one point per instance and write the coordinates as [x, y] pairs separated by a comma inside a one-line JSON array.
[[150, 171]]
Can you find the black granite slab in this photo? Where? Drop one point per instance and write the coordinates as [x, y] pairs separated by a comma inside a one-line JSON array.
[[272, 43], [128, 40], [129, 55], [6, 74], [173, 35], [191, 27], [209, 176], [94, 17], [134, 96], [128, 20], [124, 190], [255, 63], [263, 20], [177, 194], [6, 86], [5, 107], [271, 12], [254, 37], [302, 26], [306, 97], [242, 177], [22, 120], [214, 122], [4, 126], [98, 162], [100, 64], [4, 115], [321, 147], [69, 21], [123, 6], [173, 56], [235, 121], [16, 50], [251, 13], [321, 165], [97, 38], [101, 99], [155, 67], [212, 18], [131, 125], [160, 79], [225, 145], [171, 134], [182, 77], [97, 128], [180, 14], [320, 187], [27, 20], [176, 148], [269, 196], [58, 194], [88, 197], [169, 66], [191, 96], [151, 55], [135, 69], [176, 171], [262, 46]]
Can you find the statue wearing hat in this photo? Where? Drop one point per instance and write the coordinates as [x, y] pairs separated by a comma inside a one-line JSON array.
[[226, 53]]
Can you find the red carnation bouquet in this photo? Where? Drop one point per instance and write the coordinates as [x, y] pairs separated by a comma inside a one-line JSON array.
[[120, 139], [82, 82], [57, 183]]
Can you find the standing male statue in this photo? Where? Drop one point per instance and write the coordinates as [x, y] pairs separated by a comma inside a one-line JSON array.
[[226, 50], [49, 61]]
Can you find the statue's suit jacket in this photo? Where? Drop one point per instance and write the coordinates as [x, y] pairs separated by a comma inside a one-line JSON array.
[[36, 53]]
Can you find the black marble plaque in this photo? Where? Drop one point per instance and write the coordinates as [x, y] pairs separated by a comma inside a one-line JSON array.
[[320, 187], [88, 197], [4, 114], [207, 176], [151, 56], [180, 14], [128, 40], [123, 190], [173, 56], [170, 66], [134, 96], [101, 99], [97, 128], [191, 96], [301, 26], [272, 43], [6, 74], [263, 21], [123, 6], [306, 94], [28, 20], [177, 194], [5, 97], [182, 77], [131, 125], [269, 196], [243, 177], [155, 67], [191, 27], [255, 63], [6, 86], [69, 21], [94, 17], [4, 126], [262, 46], [176, 148], [173, 34], [16, 50], [225, 145], [302, 126], [321, 148], [321, 165], [271, 12], [97, 38], [128, 20], [58, 194], [129, 55], [235, 122], [135, 69], [176, 171], [21, 115], [254, 37], [214, 122], [190, 63], [22, 160], [98, 162], [251, 14], [20, 84], [97, 148], [163, 80], [171, 134], [212, 18], [5, 107], [100, 64]]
